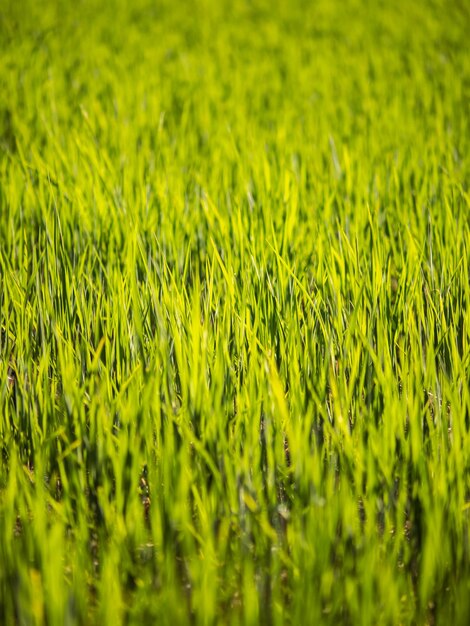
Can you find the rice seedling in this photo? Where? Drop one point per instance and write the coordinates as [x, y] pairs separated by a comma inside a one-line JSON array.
[[234, 312]]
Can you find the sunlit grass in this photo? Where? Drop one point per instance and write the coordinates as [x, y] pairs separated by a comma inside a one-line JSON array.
[[234, 312]]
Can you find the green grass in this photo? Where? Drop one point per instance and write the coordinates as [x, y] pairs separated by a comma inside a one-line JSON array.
[[234, 312]]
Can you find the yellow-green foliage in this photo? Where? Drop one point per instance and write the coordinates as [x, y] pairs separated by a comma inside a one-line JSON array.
[[234, 312]]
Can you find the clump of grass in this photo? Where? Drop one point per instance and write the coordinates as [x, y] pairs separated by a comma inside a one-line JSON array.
[[235, 322]]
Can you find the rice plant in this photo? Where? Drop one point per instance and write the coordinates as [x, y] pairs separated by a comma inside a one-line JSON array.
[[234, 312]]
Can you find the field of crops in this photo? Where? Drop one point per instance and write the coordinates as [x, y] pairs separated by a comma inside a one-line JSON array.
[[234, 312]]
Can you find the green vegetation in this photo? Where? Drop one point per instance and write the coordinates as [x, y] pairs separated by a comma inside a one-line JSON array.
[[234, 312]]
